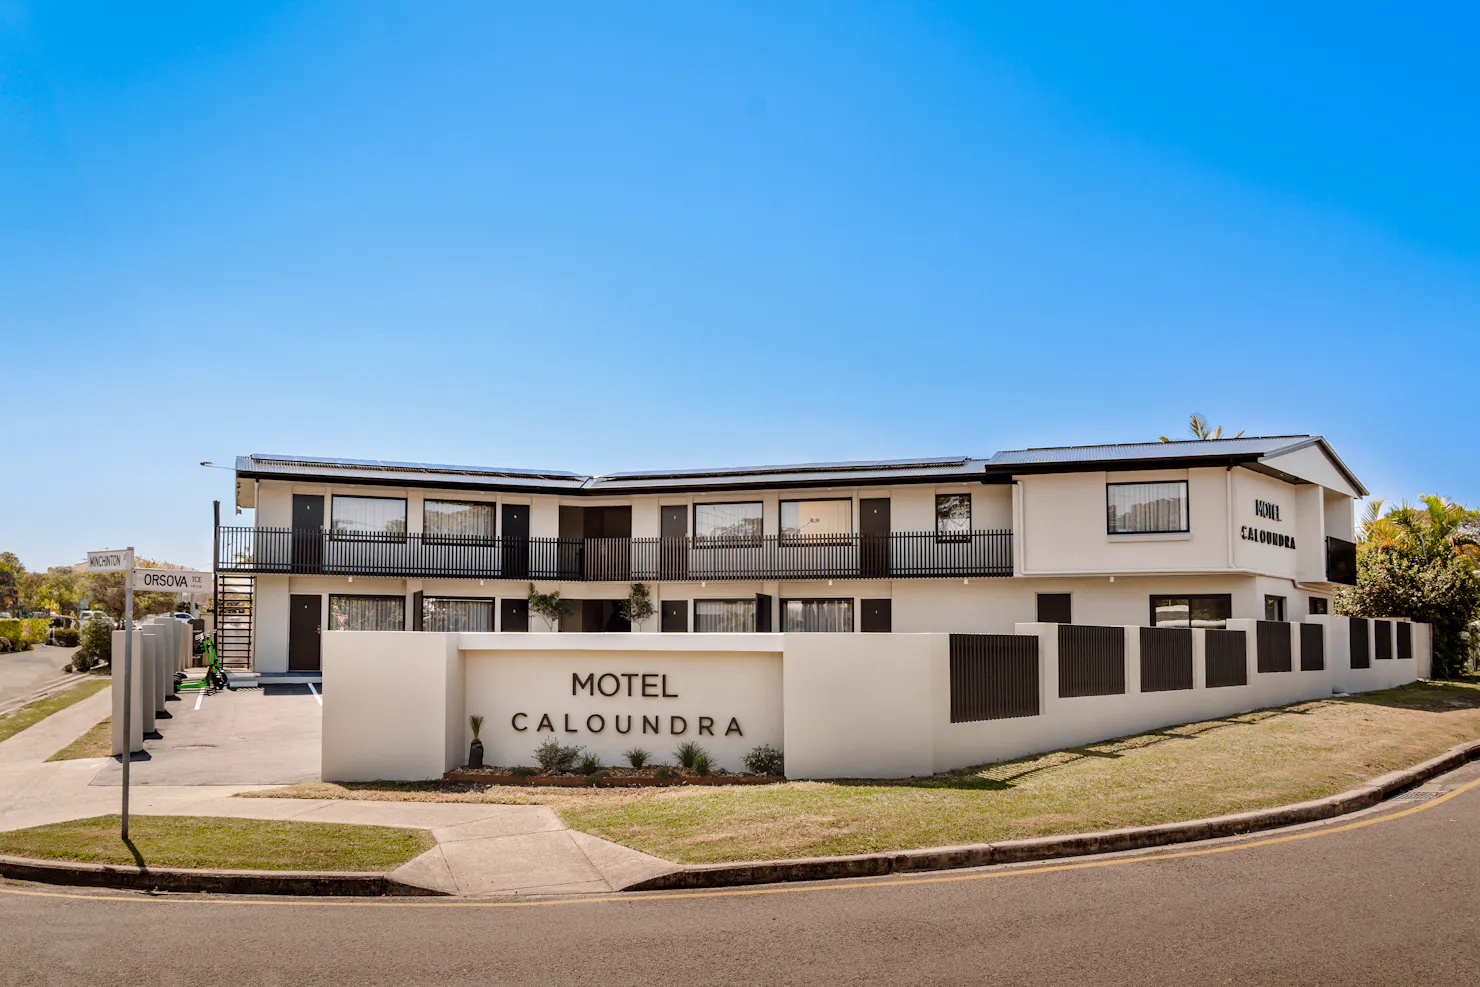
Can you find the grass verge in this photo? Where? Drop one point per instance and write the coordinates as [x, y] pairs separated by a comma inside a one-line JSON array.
[[97, 742], [1230, 764], [33, 713], [241, 844]]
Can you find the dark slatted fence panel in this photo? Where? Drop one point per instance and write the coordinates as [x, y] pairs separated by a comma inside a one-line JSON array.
[[1360, 644], [1166, 659], [1382, 630], [1091, 661], [1312, 648], [993, 677], [1405, 639], [1227, 659], [1274, 646]]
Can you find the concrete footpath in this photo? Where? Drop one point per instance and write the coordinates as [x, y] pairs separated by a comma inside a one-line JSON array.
[[481, 849]]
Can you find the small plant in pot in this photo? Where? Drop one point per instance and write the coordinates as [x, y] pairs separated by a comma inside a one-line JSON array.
[[475, 750]]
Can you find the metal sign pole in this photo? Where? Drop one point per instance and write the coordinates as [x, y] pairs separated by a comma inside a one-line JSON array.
[[128, 680]]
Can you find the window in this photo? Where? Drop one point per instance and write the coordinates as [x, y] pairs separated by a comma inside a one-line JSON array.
[[724, 616], [367, 613], [440, 613], [728, 521], [1274, 608], [1145, 508], [451, 519], [368, 517], [952, 517], [1319, 604], [817, 616], [1191, 611], [816, 521], [1055, 608]]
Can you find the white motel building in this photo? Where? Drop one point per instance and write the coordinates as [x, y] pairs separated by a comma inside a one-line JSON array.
[[854, 613]]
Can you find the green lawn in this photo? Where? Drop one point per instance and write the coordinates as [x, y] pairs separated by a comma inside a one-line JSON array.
[[198, 841], [97, 742], [33, 713], [1232, 764]]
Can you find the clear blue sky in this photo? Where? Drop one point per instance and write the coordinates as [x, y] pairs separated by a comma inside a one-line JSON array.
[[618, 236]]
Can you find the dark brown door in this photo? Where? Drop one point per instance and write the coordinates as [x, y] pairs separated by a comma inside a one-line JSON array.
[[572, 549], [673, 549], [305, 622], [675, 617], [608, 543], [308, 533], [513, 615], [515, 561], [873, 537], [876, 616], [763, 613]]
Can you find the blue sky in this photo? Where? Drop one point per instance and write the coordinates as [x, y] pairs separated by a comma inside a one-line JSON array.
[[619, 236]]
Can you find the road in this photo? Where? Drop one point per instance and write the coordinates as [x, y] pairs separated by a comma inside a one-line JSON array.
[[1386, 897], [24, 672]]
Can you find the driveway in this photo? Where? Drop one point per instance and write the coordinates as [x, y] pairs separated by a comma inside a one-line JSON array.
[[24, 673], [260, 736]]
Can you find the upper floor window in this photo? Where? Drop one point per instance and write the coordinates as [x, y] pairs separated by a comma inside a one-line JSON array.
[[952, 517], [1146, 508], [453, 519], [728, 520], [368, 516], [812, 519]]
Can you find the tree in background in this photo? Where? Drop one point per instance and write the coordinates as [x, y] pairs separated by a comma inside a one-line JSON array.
[[1420, 562], [1198, 428], [11, 573], [638, 607]]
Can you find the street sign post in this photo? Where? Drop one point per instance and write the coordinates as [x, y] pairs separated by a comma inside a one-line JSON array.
[[122, 560]]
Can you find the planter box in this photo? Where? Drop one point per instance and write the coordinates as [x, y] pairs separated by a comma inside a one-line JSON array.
[[537, 781]]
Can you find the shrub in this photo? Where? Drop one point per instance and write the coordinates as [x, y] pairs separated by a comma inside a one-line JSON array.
[[81, 662], [637, 757], [65, 637], [702, 766], [553, 756], [687, 751], [765, 760], [524, 771], [666, 772], [96, 643], [590, 764], [6, 645]]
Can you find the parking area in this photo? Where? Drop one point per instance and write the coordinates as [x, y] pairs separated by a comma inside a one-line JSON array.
[[267, 735]]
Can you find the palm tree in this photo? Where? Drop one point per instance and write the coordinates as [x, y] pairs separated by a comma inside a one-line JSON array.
[[1439, 528], [1197, 427]]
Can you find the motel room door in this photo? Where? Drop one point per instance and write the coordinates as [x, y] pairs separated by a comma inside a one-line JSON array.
[[305, 623], [873, 537], [308, 533]]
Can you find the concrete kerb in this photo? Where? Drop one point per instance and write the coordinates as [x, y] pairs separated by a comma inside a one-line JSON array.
[[696, 876]]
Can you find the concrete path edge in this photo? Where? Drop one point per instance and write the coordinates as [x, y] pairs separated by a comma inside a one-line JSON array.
[[696, 876], [180, 879]]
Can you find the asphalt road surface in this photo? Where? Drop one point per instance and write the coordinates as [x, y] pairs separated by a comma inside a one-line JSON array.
[[22, 673], [1387, 897]]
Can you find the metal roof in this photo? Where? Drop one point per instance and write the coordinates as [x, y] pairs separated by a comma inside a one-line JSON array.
[[999, 468]]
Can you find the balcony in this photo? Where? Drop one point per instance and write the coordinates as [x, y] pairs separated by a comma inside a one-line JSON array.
[[899, 555], [1341, 561]]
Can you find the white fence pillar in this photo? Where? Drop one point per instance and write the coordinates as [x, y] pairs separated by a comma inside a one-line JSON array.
[[136, 725]]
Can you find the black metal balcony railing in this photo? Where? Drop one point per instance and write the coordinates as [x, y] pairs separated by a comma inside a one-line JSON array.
[[901, 554]]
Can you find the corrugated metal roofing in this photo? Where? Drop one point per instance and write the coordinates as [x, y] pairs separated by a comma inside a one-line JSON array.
[[1001, 465]]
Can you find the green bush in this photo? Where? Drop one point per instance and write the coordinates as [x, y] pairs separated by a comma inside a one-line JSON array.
[[96, 643], [23, 634], [686, 753], [80, 662], [702, 765], [637, 757], [765, 760], [6, 646], [65, 637], [553, 756], [590, 764], [524, 771], [666, 772]]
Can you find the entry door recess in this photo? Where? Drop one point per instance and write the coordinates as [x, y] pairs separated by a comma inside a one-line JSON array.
[[308, 533], [305, 622], [873, 535], [673, 562], [675, 617], [515, 561]]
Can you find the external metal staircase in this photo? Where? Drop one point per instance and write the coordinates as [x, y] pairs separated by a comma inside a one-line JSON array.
[[234, 596]]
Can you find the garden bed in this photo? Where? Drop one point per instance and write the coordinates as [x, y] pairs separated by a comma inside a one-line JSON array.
[[605, 778]]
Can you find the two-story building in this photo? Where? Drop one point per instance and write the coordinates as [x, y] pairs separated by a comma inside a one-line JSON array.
[[1179, 534]]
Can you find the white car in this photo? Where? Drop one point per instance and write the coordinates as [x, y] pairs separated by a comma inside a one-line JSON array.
[[88, 616]]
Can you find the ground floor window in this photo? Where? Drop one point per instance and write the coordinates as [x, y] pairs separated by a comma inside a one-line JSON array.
[[441, 613], [1319, 604], [1209, 610], [1274, 608], [724, 616], [367, 613], [824, 616]]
